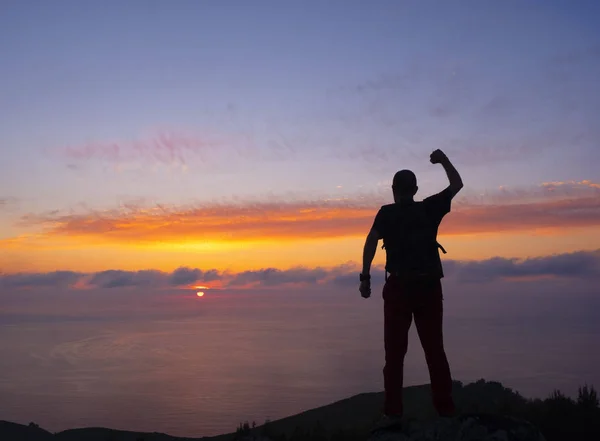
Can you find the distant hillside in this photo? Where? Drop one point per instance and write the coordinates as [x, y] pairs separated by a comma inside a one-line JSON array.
[[558, 417]]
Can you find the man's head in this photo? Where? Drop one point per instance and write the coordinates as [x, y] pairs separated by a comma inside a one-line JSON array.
[[404, 185]]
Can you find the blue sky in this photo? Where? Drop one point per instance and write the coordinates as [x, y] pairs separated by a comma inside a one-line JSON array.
[[289, 100]]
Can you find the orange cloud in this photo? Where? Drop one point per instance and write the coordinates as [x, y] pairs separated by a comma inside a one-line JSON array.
[[209, 223], [299, 220], [247, 236], [542, 215]]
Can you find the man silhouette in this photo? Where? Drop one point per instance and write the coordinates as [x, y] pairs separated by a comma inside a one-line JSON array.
[[413, 288]]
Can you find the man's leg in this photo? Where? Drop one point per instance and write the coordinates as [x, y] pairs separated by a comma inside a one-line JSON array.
[[397, 321], [428, 320]]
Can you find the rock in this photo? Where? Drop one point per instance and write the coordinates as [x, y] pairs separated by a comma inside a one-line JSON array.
[[473, 427], [254, 438], [19, 432]]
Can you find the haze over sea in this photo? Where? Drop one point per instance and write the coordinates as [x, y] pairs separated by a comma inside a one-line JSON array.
[[189, 366]]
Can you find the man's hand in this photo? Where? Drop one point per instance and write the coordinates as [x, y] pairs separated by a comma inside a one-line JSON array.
[[365, 289], [438, 157]]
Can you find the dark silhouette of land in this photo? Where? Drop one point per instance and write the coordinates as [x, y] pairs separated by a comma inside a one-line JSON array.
[[558, 417]]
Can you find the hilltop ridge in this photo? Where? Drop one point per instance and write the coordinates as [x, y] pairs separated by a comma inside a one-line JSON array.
[[352, 418]]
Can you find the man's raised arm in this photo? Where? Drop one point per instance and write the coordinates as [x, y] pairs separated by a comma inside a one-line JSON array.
[[439, 157]]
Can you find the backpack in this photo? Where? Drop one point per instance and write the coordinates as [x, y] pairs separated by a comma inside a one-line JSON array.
[[410, 241]]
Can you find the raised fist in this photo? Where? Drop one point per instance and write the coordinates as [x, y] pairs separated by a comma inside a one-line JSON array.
[[437, 156]]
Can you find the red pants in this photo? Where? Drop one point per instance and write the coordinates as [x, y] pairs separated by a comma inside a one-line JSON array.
[[424, 301]]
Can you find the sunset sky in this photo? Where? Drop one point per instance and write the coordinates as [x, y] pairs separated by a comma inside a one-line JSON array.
[[194, 138]]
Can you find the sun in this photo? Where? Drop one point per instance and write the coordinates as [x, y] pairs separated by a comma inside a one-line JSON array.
[[200, 293]]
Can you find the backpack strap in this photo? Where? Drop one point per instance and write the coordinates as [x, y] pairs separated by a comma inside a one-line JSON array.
[[439, 245]]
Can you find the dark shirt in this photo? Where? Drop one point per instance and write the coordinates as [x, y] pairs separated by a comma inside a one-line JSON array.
[[409, 231]]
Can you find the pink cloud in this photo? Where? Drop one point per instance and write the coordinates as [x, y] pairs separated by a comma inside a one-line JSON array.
[[165, 147], [545, 191]]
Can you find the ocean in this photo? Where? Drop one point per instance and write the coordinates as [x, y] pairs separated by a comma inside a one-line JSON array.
[[176, 363]]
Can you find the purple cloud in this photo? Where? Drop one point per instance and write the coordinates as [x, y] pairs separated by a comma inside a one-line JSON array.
[[583, 265], [187, 276], [164, 147], [55, 279], [118, 278], [274, 277]]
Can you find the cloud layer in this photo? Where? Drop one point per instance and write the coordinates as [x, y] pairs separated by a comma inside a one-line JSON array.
[[579, 265], [551, 205]]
